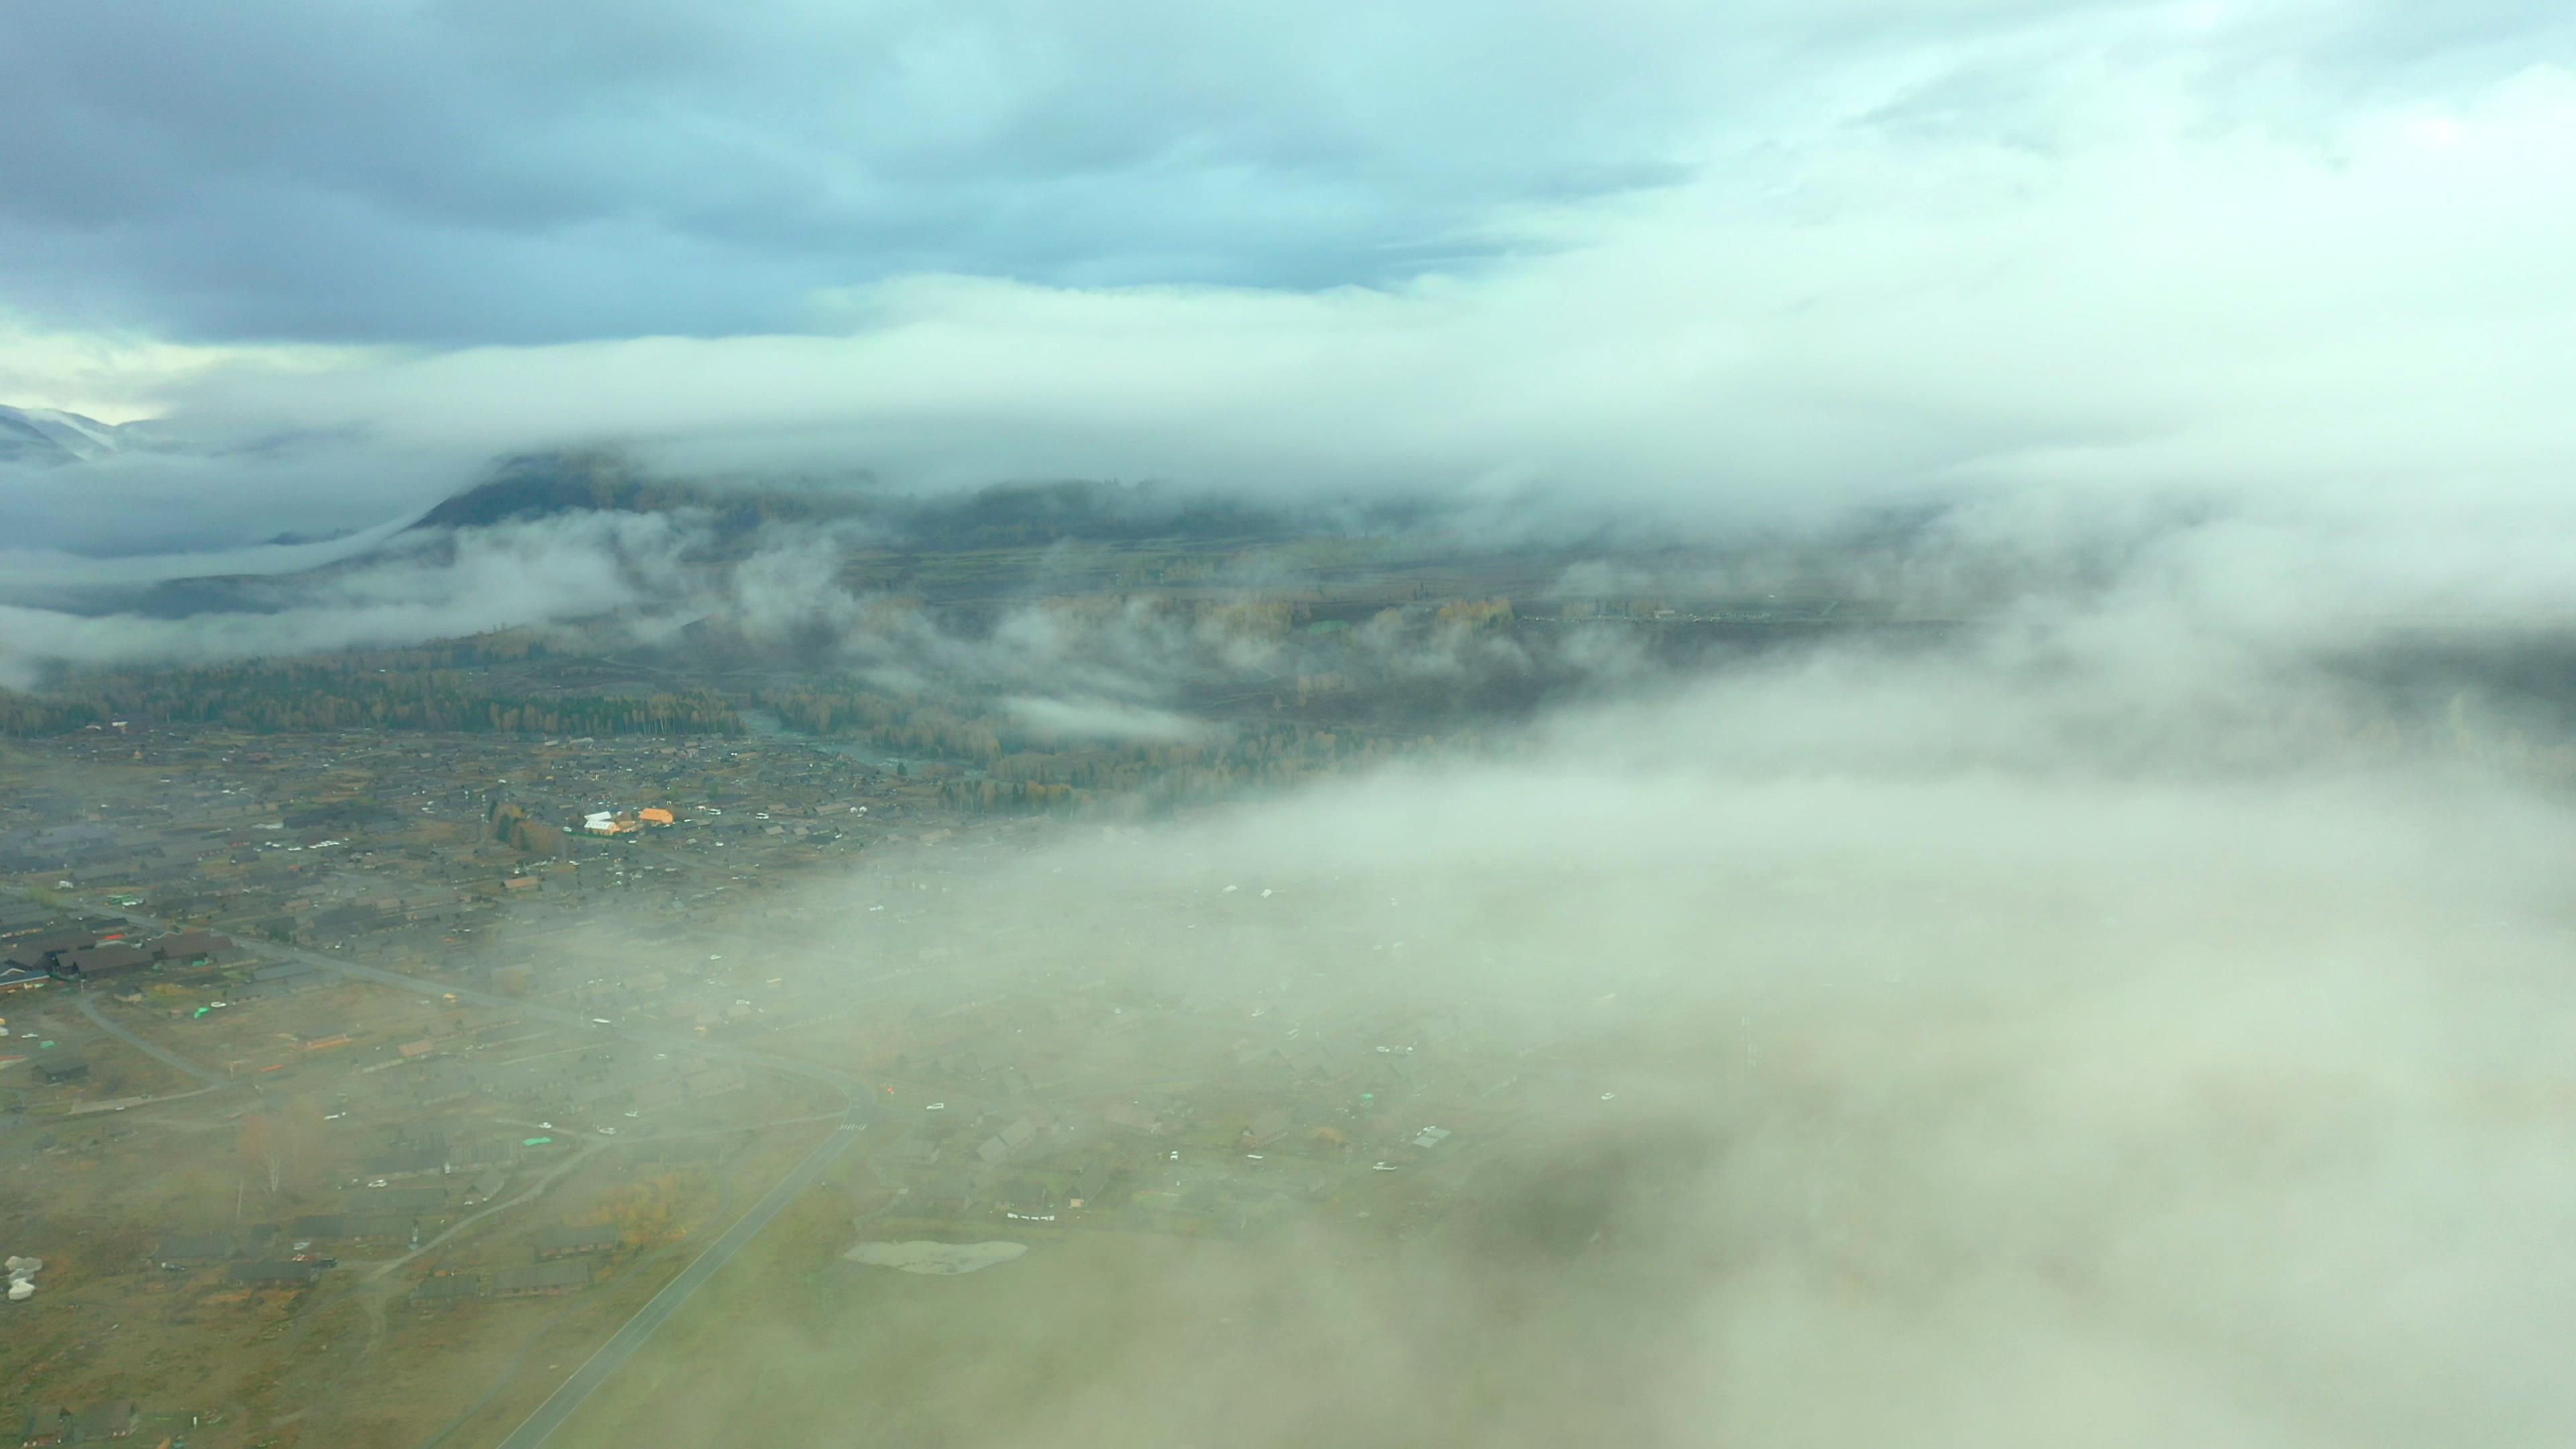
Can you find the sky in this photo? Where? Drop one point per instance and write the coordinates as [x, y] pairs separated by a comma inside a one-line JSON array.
[[2298, 263], [473, 174], [2103, 1026]]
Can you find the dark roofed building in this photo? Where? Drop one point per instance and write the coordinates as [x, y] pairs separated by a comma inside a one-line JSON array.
[[448, 1287], [275, 1275], [1128, 1117], [114, 1419], [113, 958], [411, 1162], [62, 1069], [72, 938], [565, 1242], [355, 1227], [193, 948], [484, 1154], [541, 1278], [191, 1248], [1093, 1182], [45, 1424]]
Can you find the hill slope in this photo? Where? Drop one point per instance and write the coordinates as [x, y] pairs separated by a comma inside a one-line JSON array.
[[48, 436]]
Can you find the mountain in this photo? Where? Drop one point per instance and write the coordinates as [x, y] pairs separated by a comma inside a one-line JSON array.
[[44, 435], [541, 485]]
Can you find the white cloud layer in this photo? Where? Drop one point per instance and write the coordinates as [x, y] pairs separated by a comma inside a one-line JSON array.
[[2298, 269]]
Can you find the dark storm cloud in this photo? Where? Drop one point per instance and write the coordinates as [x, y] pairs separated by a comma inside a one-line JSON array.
[[471, 172], [483, 173]]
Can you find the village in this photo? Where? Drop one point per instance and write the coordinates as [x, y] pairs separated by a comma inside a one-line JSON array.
[[377, 1080]]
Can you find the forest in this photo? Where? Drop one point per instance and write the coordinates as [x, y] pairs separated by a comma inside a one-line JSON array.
[[353, 691]]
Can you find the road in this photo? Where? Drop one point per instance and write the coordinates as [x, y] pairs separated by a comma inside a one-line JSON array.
[[172, 1060], [637, 1330], [621, 1345]]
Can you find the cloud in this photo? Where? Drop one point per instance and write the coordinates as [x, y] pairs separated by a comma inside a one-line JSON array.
[[1097, 719], [431, 586], [2122, 1021], [2155, 302], [459, 174], [1863, 1018], [2295, 264]]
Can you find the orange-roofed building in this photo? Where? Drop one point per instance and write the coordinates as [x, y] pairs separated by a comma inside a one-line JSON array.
[[654, 815]]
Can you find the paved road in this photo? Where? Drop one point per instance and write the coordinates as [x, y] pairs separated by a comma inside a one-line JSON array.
[[89, 1008], [622, 1344]]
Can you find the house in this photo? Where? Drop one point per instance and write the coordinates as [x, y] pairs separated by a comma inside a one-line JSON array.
[[1267, 1128], [186, 1249], [485, 1155], [62, 1069], [1010, 1139], [277, 1274], [953, 1194], [113, 1419], [356, 1227], [59, 942], [566, 1242], [414, 1162], [193, 948], [1093, 1182], [540, 1278], [46, 1424], [90, 963], [448, 1288], [1029, 1202], [1319, 1060], [14, 973], [1128, 1117]]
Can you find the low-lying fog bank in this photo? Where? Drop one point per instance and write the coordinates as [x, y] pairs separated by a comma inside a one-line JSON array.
[[1910, 1053]]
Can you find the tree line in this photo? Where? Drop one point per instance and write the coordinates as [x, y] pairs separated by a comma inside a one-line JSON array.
[[344, 693]]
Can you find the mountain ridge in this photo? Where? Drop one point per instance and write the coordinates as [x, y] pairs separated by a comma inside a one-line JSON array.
[[53, 437]]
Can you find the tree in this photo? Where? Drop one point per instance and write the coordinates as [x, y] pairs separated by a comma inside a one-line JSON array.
[[299, 1134], [261, 1148]]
